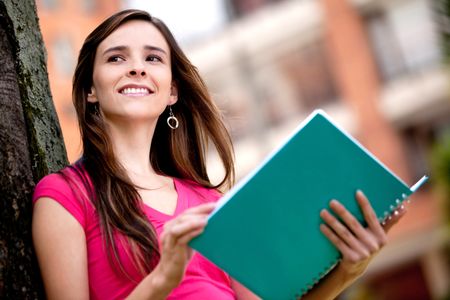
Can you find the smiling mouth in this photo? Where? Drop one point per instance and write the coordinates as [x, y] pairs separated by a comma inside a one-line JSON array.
[[135, 91]]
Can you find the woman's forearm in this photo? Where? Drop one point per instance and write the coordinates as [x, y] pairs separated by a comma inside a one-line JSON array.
[[332, 285]]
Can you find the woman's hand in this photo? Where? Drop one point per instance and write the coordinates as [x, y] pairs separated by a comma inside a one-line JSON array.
[[175, 252], [358, 245]]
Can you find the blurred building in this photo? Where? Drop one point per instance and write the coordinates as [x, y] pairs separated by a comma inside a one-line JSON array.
[[64, 25], [374, 65]]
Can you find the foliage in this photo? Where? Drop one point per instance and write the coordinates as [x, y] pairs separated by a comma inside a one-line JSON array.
[[440, 154], [442, 9], [440, 163]]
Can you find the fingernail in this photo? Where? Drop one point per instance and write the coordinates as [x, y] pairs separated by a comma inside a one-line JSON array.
[[334, 202]]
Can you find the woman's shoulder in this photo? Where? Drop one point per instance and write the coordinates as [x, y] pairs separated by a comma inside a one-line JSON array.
[[68, 188], [60, 181], [51, 182]]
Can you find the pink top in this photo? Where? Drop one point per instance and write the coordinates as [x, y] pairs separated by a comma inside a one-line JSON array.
[[202, 280]]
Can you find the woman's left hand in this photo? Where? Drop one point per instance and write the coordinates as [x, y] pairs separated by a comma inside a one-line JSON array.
[[358, 245]]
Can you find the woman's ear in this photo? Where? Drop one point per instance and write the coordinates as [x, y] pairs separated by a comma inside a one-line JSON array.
[[173, 93], [92, 97]]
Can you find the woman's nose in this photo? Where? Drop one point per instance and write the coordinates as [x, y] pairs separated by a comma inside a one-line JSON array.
[[137, 71], [137, 68]]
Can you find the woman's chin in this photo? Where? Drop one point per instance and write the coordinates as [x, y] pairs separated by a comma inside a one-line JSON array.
[[134, 117]]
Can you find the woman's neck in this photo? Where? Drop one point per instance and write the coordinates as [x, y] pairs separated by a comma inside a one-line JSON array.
[[132, 145]]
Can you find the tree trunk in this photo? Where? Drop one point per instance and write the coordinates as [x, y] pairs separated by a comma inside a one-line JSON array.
[[31, 144]]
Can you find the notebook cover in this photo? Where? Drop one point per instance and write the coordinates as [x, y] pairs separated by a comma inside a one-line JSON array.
[[265, 231]]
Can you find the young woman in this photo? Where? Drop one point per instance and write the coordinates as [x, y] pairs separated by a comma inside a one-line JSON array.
[[116, 223]]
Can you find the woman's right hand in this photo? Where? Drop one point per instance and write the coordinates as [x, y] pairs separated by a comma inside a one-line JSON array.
[[175, 252]]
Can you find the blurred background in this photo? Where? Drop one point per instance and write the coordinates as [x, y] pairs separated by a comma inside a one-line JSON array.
[[378, 67]]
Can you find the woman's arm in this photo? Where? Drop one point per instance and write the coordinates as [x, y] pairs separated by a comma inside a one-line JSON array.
[[60, 246], [358, 245]]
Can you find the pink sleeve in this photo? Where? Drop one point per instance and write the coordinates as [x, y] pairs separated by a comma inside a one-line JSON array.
[[57, 188]]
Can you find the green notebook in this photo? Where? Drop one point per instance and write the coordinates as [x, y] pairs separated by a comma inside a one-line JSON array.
[[265, 231]]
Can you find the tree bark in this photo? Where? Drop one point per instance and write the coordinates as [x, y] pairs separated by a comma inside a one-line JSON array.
[[31, 144]]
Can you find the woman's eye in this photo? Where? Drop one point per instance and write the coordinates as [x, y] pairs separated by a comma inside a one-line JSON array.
[[154, 58], [115, 58]]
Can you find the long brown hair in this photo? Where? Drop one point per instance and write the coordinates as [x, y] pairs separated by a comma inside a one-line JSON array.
[[177, 153]]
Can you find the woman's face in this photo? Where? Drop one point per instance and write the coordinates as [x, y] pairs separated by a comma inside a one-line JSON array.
[[132, 77]]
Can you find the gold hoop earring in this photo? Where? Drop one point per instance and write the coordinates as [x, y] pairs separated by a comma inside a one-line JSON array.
[[172, 121]]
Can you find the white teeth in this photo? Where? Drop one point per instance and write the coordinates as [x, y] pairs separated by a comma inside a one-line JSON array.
[[135, 91]]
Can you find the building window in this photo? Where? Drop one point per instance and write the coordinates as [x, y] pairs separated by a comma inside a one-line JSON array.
[[403, 38], [386, 49], [64, 55], [308, 72], [420, 140]]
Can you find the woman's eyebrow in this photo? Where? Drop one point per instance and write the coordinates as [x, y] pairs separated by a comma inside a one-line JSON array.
[[116, 48], [123, 48], [154, 48]]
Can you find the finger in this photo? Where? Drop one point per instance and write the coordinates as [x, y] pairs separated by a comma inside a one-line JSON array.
[[200, 211], [394, 218], [336, 240], [186, 217], [364, 236], [185, 239], [174, 230], [205, 208], [190, 220], [342, 232], [188, 224], [370, 216]]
